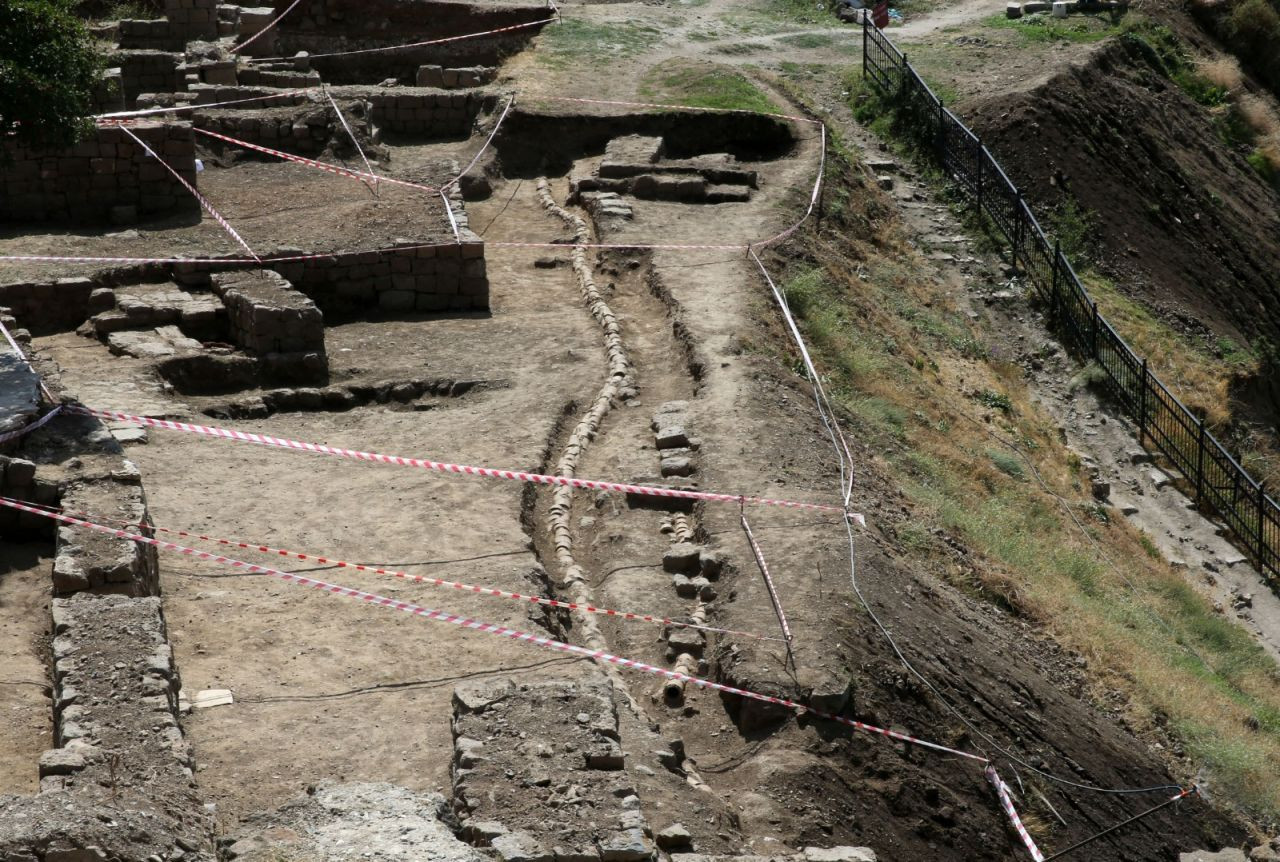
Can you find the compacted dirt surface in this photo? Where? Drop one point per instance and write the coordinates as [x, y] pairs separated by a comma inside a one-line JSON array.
[[358, 731]]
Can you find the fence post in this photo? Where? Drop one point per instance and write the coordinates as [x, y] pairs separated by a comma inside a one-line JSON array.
[[1096, 327], [1142, 404], [981, 161], [864, 46], [1200, 465], [1262, 514], [1019, 228], [942, 137]]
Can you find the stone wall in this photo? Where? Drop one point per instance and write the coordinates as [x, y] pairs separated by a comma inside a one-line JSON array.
[[304, 130], [192, 19], [267, 316], [93, 561], [420, 275], [45, 307], [324, 26], [154, 35], [149, 71], [105, 179], [428, 113], [413, 275], [450, 79], [19, 481]]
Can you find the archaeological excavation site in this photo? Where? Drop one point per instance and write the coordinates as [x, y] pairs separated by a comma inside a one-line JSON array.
[[423, 436]]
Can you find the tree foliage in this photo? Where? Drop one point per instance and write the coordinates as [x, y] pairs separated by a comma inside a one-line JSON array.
[[48, 69]]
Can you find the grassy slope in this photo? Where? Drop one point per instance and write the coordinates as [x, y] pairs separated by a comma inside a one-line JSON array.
[[963, 439]]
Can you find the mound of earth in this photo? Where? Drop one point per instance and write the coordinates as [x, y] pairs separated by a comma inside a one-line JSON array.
[[1181, 220]]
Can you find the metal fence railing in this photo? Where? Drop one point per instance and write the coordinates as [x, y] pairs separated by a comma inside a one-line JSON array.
[[1216, 480]]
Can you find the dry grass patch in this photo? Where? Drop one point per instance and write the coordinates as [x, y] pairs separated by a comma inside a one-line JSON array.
[[1222, 72], [964, 440]]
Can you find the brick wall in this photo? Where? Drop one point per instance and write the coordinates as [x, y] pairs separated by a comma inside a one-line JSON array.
[[87, 183]]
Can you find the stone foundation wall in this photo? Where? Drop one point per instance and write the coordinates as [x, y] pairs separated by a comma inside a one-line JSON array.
[[18, 480], [192, 19], [154, 35], [450, 79], [149, 71], [106, 179], [93, 561], [417, 275], [45, 307], [302, 131], [324, 26], [428, 113], [268, 316]]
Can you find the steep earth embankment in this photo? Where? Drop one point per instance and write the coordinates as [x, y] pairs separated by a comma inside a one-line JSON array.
[[1182, 221]]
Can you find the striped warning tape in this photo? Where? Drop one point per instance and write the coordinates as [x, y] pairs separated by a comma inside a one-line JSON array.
[[459, 469], [491, 628], [324, 166], [31, 426], [1006, 802], [199, 197], [417, 579]]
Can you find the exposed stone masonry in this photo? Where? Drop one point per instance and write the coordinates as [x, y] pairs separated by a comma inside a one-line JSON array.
[[266, 315], [571, 761], [108, 178]]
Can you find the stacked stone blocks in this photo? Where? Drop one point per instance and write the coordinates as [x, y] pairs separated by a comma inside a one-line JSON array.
[[107, 178], [266, 315]]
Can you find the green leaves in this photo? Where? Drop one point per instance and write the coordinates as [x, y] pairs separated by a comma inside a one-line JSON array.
[[48, 69]]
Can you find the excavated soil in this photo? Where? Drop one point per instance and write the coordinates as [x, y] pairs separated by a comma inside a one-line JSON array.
[[330, 691], [1182, 222]]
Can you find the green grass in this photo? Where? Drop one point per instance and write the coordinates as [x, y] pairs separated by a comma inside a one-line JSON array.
[[703, 86], [809, 40], [1260, 162], [1041, 27], [569, 43], [737, 49], [890, 349]]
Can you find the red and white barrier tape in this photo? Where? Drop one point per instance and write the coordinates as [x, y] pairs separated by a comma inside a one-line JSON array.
[[510, 101], [424, 44], [324, 166], [17, 349], [458, 469], [768, 580], [27, 429], [199, 197], [359, 149], [448, 210], [1006, 802], [124, 116], [407, 576], [489, 628], [274, 21]]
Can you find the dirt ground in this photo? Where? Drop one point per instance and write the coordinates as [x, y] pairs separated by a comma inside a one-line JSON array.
[[330, 690]]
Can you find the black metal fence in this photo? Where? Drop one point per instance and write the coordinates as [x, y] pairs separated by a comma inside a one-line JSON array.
[[1217, 481]]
